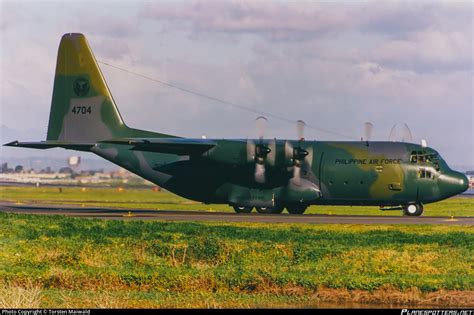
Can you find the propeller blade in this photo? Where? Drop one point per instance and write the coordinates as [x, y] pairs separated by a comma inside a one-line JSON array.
[[259, 173], [288, 152], [296, 175], [368, 127], [309, 158], [261, 123], [260, 152], [250, 151], [271, 156], [400, 132], [305, 161], [300, 129], [406, 134]]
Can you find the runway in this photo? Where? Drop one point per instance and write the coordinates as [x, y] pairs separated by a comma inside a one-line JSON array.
[[182, 215]]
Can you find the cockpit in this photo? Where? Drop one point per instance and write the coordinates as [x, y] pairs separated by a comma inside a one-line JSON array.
[[432, 171], [425, 157]]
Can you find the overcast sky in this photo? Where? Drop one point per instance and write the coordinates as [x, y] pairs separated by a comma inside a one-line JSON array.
[[335, 65]]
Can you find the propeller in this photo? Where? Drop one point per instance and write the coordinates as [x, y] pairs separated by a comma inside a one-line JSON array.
[[300, 129], [368, 128], [400, 132], [298, 155], [261, 152], [261, 124]]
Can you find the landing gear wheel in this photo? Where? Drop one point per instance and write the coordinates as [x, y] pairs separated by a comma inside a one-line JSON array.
[[413, 209], [242, 209], [269, 210], [296, 209]]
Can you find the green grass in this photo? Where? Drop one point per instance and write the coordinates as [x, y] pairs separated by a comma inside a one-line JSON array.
[[148, 199], [88, 262]]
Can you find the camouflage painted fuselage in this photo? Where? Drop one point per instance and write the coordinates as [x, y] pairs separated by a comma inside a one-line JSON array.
[[347, 173]]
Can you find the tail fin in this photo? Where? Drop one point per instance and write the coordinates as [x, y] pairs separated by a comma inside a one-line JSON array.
[[82, 108]]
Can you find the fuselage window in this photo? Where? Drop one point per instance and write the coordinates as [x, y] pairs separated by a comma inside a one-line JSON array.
[[421, 173]]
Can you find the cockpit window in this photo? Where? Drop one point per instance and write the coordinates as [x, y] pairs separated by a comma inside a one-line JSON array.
[[425, 157]]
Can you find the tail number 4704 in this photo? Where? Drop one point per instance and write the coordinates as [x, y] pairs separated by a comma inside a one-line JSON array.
[[81, 110]]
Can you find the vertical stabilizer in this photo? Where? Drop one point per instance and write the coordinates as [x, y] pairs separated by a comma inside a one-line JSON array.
[[82, 108]]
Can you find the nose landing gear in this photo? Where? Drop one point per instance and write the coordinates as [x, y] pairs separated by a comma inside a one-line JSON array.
[[413, 209]]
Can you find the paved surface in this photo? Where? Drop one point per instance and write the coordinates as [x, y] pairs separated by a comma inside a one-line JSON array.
[[182, 215]]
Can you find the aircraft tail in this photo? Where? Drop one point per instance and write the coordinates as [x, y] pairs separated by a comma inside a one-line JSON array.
[[82, 108]]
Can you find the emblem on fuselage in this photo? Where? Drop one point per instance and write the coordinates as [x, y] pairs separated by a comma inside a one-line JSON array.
[[81, 86]]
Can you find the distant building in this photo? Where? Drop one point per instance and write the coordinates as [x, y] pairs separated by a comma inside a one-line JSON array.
[[471, 181], [65, 170], [4, 168], [47, 170]]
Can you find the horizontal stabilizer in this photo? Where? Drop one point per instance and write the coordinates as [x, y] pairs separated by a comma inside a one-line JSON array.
[[178, 146], [51, 144]]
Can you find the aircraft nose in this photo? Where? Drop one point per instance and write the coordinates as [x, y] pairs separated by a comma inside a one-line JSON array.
[[458, 182], [455, 183]]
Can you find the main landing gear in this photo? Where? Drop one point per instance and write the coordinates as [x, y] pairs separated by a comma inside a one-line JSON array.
[[296, 209], [277, 209], [413, 209], [242, 209], [270, 210]]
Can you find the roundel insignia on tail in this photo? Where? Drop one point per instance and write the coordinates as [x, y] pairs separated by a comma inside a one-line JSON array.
[[81, 86]]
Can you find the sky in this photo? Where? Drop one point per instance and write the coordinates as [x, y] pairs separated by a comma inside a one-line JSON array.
[[333, 64]]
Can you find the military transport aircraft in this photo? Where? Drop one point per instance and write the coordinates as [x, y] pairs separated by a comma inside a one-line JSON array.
[[266, 174]]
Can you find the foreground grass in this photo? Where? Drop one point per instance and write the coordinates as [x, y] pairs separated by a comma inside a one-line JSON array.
[[97, 263], [149, 199]]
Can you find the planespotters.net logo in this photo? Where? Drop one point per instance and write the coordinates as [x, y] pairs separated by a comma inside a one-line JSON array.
[[437, 312]]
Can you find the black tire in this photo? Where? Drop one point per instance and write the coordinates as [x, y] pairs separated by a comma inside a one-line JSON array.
[[243, 209], [413, 210], [269, 210], [296, 209]]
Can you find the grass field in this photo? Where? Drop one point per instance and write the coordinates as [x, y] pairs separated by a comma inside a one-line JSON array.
[[56, 261], [162, 200]]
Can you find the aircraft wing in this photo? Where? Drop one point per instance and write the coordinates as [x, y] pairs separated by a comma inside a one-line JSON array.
[[178, 146], [51, 144]]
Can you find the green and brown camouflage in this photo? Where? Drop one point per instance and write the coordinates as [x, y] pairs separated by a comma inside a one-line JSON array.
[[297, 173]]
